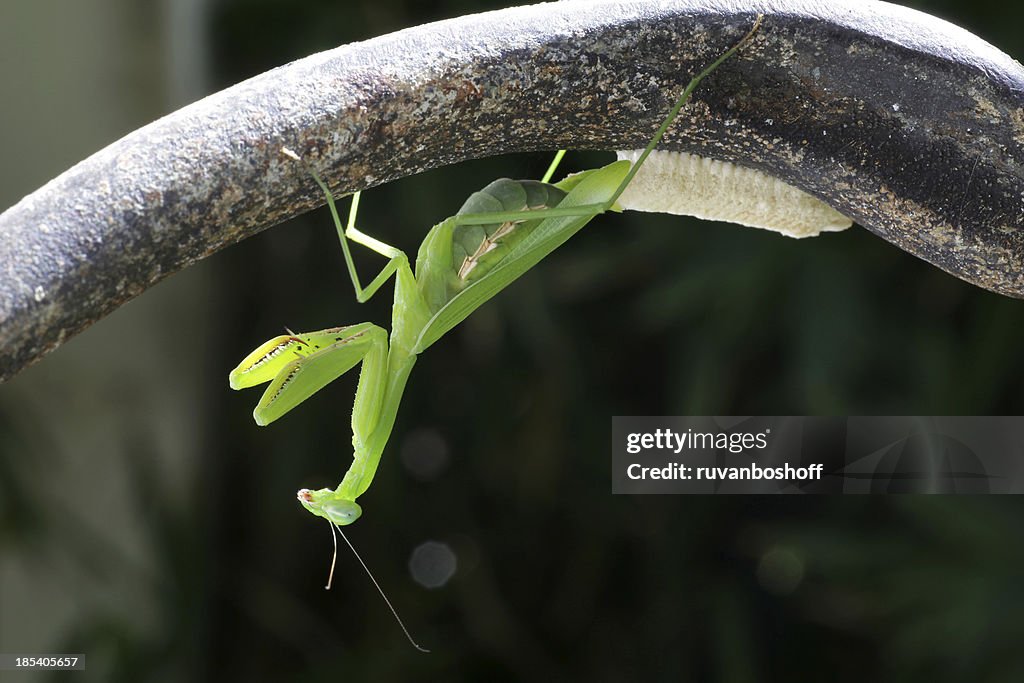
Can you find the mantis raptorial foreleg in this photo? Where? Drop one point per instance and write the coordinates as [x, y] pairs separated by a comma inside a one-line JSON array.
[[299, 365], [499, 233]]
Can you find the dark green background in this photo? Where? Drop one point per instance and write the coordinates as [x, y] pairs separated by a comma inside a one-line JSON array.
[[146, 521]]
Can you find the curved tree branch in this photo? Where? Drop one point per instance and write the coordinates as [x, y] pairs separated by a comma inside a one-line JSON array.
[[909, 125]]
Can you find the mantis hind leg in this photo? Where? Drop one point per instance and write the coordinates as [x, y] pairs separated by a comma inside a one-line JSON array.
[[658, 135]]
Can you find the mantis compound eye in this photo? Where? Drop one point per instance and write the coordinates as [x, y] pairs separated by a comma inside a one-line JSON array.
[[341, 512]]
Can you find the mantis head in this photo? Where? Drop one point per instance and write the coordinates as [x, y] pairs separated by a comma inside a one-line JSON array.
[[330, 505]]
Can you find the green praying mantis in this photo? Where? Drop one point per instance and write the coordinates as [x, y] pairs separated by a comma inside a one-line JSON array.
[[499, 233]]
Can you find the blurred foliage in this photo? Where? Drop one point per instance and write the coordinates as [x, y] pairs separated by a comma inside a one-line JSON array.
[[558, 580]]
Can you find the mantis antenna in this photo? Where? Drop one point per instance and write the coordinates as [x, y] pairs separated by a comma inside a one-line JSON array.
[[335, 529], [334, 555]]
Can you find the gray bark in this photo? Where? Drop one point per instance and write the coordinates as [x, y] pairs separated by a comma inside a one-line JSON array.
[[907, 124]]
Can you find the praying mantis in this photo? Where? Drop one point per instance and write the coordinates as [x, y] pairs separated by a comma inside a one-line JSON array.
[[499, 233]]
